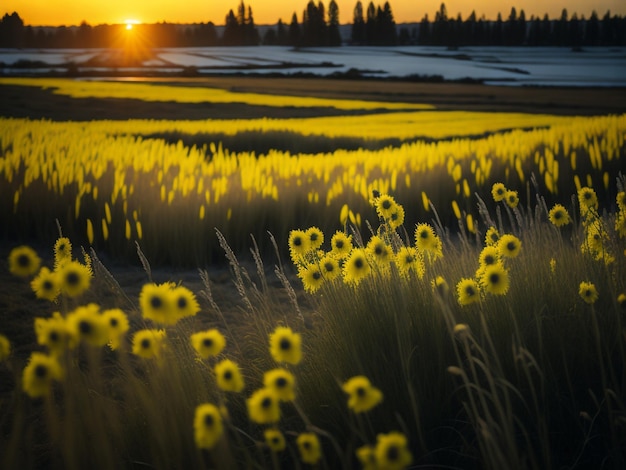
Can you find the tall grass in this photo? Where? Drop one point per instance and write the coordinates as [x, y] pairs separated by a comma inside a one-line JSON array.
[[531, 378]]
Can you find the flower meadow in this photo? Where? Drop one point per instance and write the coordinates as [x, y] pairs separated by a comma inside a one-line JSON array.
[[455, 303]]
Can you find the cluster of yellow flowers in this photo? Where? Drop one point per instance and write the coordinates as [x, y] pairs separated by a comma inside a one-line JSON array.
[[596, 234], [385, 251]]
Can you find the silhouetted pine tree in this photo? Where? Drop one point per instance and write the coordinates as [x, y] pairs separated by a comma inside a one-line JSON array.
[[358, 25]]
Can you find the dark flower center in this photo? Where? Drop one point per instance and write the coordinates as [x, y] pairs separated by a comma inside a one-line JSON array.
[[494, 278], [207, 342], [182, 303], [113, 322], [275, 440], [360, 391], [285, 344], [208, 420], [54, 336], [47, 285], [424, 234], [84, 327], [317, 275], [339, 244], [314, 237], [297, 241], [23, 260], [329, 267], [72, 278], [393, 453], [511, 246], [145, 343], [228, 375], [557, 215], [266, 402], [386, 204], [409, 259], [156, 302], [358, 263], [281, 382], [378, 250], [306, 445], [469, 290], [41, 371], [62, 247]]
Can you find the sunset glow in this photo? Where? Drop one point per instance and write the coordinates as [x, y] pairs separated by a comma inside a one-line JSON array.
[[44, 12]]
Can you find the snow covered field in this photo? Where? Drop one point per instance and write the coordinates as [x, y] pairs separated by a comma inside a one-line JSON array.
[[494, 65]]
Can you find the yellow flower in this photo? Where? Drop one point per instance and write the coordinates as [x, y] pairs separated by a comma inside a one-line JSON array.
[[498, 191], [299, 244], [229, 376], [588, 292], [509, 246], [39, 373], [46, 285], [285, 345], [396, 219], [492, 236], [330, 267], [495, 279], [23, 261], [468, 291], [86, 324], [117, 323], [207, 426], [341, 245], [408, 259], [309, 448], [311, 276], [363, 396], [621, 300], [74, 278], [367, 457], [559, 216], [157, 303], [263, 406], [488, 256], [511, 199], [148, 343], [282, 382], [385, 206], [378, 250], [274, 440], [53, 333], [392, 452], [356, 267], [184, 302], [587, 199], [315, 237], [621, 201], [425, 237], [5, 348], [62, 252], [208, 343]]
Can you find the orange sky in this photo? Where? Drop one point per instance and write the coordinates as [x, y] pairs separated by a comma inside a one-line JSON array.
[[72, 12]]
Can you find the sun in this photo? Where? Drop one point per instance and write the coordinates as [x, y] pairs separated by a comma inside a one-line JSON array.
[[130, 23]]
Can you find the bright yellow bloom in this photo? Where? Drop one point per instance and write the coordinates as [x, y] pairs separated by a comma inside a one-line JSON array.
[[315, 237], [148, 343], [488, 256], [425, 237], [587, 199], [509, 246], [23, 261], [363, 396], [39, 373], [74, 278], [341, 245], [86, 324], [329, 266], [285, 345], [392, 452], [53, 333], [467, 291], [275, 440], [356, 267], [408, 259], [511, 198], [157, 303], [46, 285], [282, 382], [495, 279], [208, 343], [207, 426], [492, 236], [379, 251], [309, 448], [367, 457], [184, 302], [117, 323], [62, 252], [385, 206], [559, 216], [311, 276], [299, 244], [588, 292], [228, 376], [396, 219], [5, 348], [498, 191], [263, 406]]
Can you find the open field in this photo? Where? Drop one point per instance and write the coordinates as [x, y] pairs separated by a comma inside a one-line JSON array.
[[474, 316]]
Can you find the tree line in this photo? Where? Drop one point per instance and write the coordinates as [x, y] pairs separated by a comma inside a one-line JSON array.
[[318, 25]]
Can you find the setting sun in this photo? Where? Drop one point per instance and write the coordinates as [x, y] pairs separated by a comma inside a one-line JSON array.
[[130, 23]]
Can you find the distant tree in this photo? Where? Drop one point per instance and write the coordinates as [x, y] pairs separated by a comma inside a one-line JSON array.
[[294, 34], [358, 24], [231, 35], [11, 30], [282, 37], [592, 30], [371, 26], [424, 36], [387, 26], [334, 37]]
